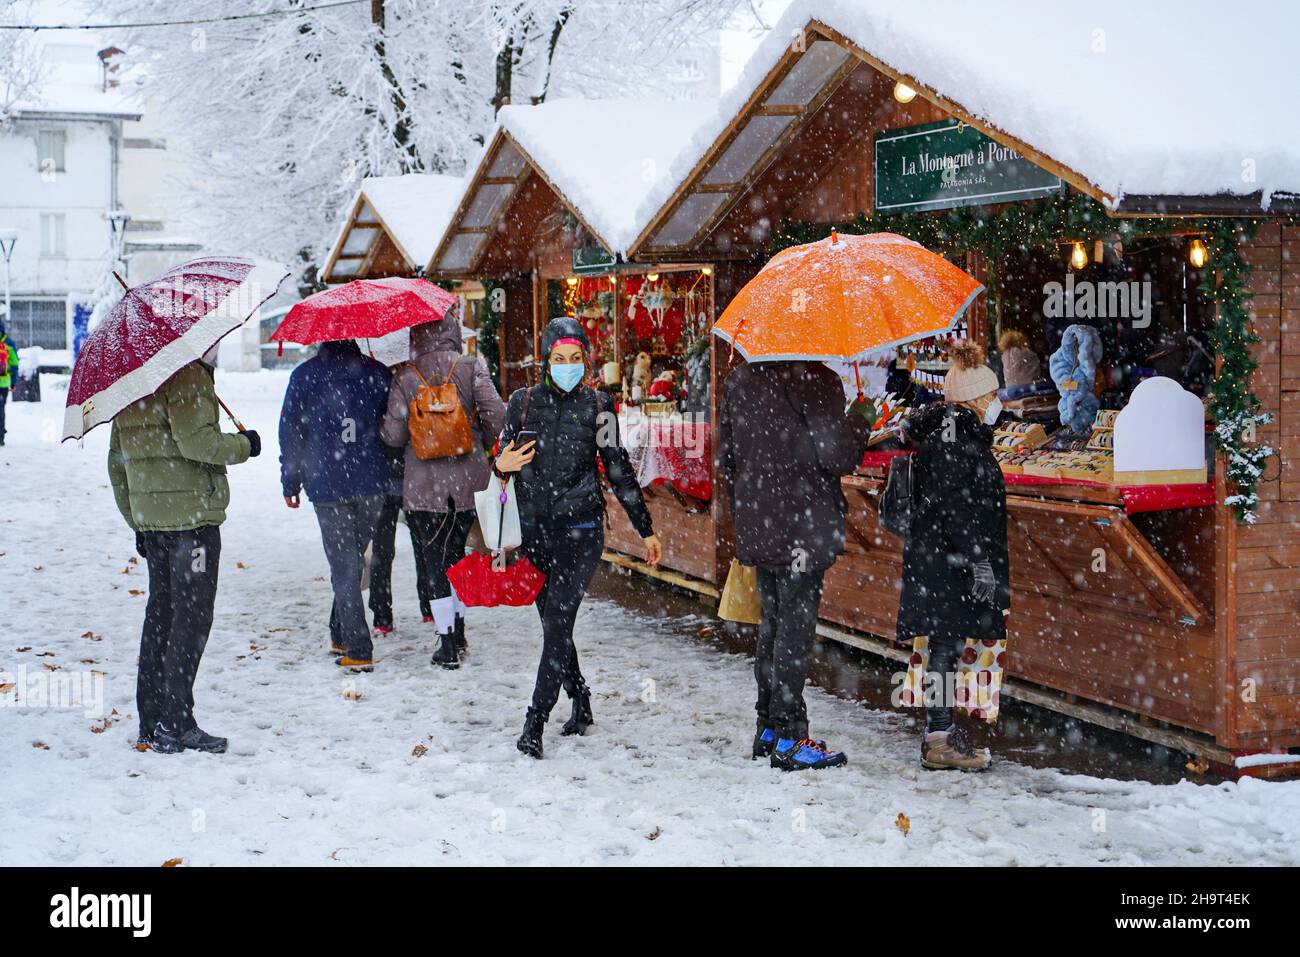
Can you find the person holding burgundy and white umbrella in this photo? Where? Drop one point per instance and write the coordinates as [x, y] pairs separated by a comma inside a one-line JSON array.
[[148, 368]]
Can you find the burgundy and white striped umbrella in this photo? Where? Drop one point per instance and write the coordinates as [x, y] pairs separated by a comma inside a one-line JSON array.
[[159, 328]]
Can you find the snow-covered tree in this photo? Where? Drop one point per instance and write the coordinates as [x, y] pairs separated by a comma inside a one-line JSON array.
[[284, 114], [20, 65]]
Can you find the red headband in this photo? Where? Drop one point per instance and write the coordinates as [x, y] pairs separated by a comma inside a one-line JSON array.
[[568, 341]]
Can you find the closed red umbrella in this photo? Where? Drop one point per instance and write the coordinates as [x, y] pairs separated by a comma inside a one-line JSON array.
[[478, 584], [364, 309], [160, 327]]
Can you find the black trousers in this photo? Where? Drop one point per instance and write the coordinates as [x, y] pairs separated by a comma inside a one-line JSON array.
[[945, 653], [4, 396], [568, 556], [383, 550], [439, 541], [790, 601], [177, 620]]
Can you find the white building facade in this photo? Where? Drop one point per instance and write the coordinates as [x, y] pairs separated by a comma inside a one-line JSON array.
[[60, 189]]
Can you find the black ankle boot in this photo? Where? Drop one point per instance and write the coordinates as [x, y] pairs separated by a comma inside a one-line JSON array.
[[462, 646], [446, 656], [581, 718], [530, 742]]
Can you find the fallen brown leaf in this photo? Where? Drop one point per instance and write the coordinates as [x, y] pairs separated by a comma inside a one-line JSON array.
[[352, 694], [240, 565], [903, 823], [49, 667], [173, 862], [419, 751], [134, 591], [654, 835], [41, 744], [1198, 765], [24, 648], [5, 689]]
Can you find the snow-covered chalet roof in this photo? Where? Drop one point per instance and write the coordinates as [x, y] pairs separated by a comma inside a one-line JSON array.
[[1163, 98], [412, 211], [602, 157]]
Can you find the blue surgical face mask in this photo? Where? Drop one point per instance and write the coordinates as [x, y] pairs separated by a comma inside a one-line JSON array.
[[567, 376]]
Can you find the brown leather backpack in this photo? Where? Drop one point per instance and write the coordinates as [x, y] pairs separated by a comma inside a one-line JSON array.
[[438, 424]]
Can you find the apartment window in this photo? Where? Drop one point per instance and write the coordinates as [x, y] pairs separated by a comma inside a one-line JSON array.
[[51, 150], [54, 235]]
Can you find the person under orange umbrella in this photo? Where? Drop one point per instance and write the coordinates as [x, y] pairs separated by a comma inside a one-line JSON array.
[[784, 439]]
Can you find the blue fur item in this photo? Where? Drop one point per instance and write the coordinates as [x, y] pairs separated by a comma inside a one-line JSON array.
[[1076, 361]]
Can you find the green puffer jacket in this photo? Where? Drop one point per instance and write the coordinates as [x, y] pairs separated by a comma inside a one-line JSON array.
[[167, 457]]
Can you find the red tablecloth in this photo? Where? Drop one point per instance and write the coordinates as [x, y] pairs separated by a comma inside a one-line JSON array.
[[1137, 498], [670, 449]]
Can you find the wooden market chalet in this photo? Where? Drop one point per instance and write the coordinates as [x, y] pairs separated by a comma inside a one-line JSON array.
[[1187, 634]]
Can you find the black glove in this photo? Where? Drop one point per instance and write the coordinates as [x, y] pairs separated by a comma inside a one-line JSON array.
[[254, 442], [139, 545], [985, 584]]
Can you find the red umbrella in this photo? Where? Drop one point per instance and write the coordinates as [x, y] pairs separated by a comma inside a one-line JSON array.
[[160, 327], [478, 584], [364, 309]]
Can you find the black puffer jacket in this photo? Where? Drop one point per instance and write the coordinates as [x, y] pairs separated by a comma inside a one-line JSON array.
[[959, 518], [783, 443], [562, 483]]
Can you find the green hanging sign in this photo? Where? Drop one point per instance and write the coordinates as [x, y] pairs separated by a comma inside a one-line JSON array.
[[948, 164], [592, 257]]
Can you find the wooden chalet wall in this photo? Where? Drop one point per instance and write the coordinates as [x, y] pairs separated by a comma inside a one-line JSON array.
[[1261, 587]]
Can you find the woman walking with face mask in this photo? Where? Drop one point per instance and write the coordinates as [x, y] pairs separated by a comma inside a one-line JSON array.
[[562, 426]]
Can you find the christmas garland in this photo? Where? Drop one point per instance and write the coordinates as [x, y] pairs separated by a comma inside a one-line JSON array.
[[1042, 226]]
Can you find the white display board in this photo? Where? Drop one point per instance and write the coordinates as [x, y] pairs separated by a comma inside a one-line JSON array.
[[1161, 429]]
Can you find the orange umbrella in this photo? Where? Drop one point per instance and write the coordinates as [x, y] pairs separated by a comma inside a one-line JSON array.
[[843, 297]]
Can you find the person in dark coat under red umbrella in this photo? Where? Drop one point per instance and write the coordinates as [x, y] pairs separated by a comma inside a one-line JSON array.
[[784, 440], [561, 509], [956, 582]]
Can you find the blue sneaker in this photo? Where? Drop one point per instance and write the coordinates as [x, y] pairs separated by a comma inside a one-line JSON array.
[[805, 755], [764, 742]]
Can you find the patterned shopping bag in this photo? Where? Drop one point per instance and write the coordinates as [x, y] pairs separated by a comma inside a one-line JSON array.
[[978, 687]]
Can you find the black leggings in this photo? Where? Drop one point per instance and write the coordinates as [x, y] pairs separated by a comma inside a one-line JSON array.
[[439, 540], [945, 652], [568, 556], [383, 551]]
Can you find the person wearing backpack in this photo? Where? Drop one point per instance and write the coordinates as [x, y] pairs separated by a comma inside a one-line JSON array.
[[8, 373], [956, 590], [444, 411], [329, 444], [784, 441], [562, 507]]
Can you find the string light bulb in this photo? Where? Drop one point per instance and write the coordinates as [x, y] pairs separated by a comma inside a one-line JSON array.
[[1197, 254], [572, 280], [904, 93], [1078, 256], [653, 276], [707, 270]]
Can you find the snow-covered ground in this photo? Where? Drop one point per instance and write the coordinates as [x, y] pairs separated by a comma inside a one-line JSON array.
[[323, 768]]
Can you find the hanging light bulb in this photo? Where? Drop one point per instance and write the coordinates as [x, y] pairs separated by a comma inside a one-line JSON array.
[[1197, 254], [653, 276], [904, 93], [572, 280], [707, 270], [1078, 256]]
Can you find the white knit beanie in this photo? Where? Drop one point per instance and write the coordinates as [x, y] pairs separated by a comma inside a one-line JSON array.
[[969, 378]]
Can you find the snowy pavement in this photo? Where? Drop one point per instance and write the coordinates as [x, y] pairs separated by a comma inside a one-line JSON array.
[[409, 765]]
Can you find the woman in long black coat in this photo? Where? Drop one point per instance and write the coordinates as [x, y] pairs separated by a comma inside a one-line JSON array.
[[956, 583]]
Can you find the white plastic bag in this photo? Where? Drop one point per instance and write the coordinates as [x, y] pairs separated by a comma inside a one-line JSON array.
[[498, 515]]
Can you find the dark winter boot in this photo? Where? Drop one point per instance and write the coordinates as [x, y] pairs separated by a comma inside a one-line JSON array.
[[530, 742], [581, 718], [462, 646], [166, 741], [446, 656]]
